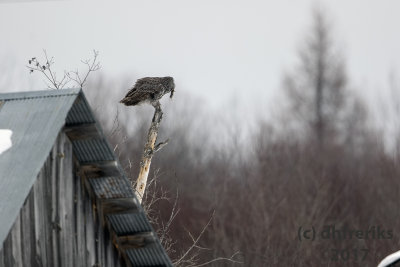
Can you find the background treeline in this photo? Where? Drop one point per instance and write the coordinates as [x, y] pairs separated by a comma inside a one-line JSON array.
[[321, 161]]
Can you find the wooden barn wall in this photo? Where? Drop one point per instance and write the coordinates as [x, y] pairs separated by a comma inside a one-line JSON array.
[[57, 225]]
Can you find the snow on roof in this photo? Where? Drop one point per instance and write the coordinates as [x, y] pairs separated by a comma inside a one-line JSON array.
[[5, 140]]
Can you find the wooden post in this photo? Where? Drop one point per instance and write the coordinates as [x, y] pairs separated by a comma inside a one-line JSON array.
[[149, 149]]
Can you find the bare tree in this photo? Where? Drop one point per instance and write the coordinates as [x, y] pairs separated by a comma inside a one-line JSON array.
[[316, 89]]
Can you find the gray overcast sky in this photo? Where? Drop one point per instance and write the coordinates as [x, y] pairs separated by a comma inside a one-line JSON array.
[[212, 48]]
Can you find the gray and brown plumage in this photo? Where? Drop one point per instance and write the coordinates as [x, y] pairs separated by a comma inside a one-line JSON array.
[[149, 90]]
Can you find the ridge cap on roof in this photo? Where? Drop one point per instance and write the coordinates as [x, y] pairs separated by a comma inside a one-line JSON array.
[[39, 94]]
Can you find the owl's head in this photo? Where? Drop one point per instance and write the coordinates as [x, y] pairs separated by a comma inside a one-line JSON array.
[[170, 85]]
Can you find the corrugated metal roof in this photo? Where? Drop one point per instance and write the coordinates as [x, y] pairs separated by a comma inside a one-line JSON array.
[[129, 223], [40, 94], [91, 150], [80, 113], [150, 255], [111, 187], [36, 118]]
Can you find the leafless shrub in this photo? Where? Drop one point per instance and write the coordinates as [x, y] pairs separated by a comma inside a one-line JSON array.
[[34, 65]]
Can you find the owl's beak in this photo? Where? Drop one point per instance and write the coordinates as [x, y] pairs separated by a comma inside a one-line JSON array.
[[172, 93]]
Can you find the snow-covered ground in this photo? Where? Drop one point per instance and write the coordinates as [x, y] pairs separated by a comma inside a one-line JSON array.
[[5, 140]]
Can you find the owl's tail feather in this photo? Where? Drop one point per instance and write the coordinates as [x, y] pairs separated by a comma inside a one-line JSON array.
[[128, 101]]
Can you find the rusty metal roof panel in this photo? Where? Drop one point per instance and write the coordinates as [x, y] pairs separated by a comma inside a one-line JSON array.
[[129, 223], [151, 255], [111, 187]]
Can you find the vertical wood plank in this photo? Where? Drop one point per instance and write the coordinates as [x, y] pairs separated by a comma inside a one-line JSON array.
[[28, 244], [2, 258], [60, 199], [48, 189], [66, 197], [34, 257], [55, 207], [99, 239], [90, 235], [39, 210], [81, 223], [8, 254], [16, 242]]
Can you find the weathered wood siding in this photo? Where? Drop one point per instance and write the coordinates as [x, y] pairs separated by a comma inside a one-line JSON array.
[[58, 224]]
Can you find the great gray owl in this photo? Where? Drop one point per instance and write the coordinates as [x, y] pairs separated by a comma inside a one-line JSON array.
[[149, 90]]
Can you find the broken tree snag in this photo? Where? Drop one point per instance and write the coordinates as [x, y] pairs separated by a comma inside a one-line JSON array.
[[149, 149]]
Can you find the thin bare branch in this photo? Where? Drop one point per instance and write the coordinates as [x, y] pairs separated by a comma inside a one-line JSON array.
[[231, 259], [51, 76], [160, 145], [171, 217], [195, 241]]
